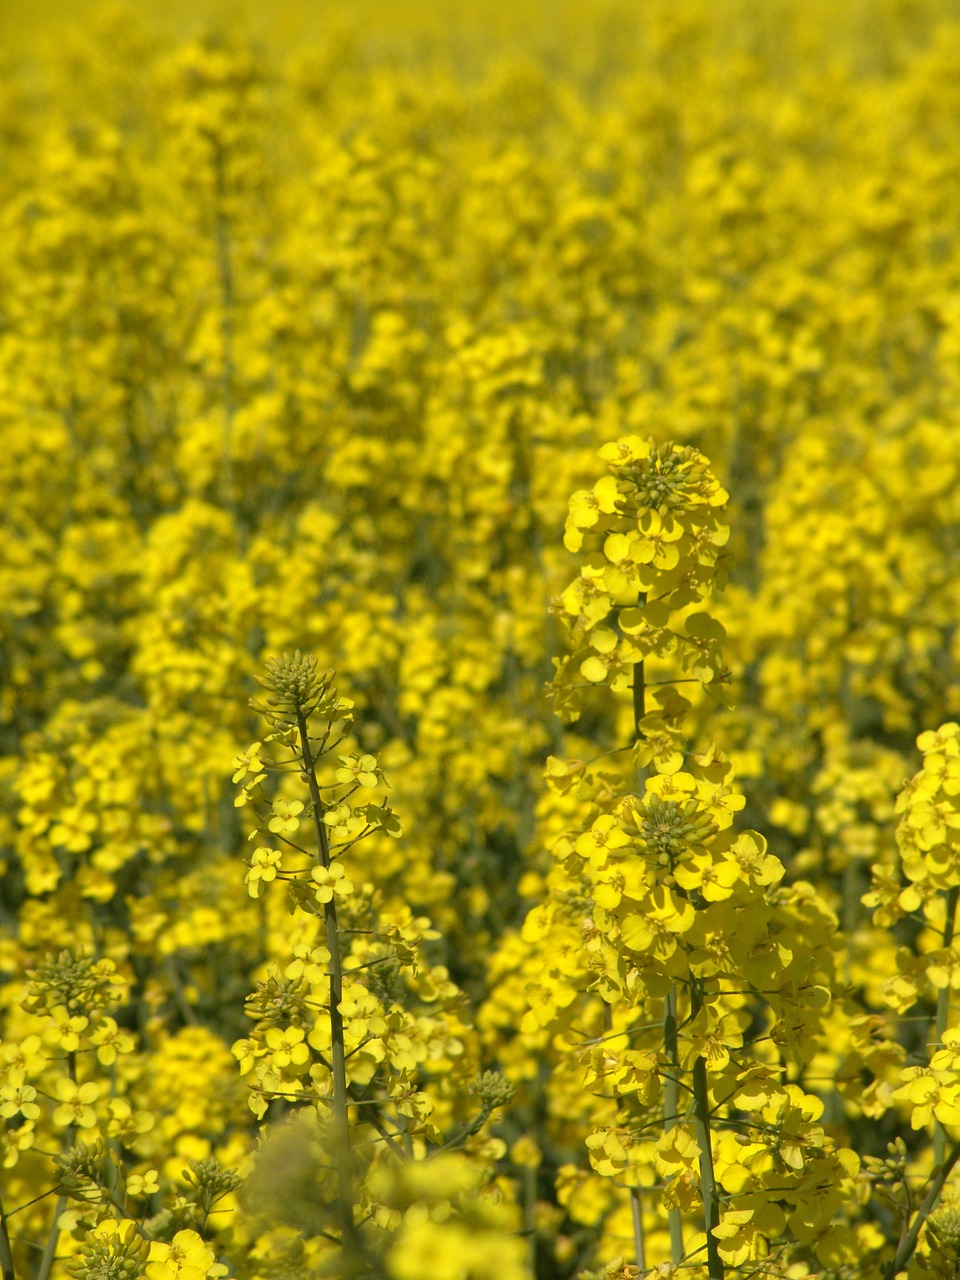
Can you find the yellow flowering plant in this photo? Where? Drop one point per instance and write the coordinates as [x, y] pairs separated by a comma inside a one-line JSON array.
[[357, 1029], [680, 919]]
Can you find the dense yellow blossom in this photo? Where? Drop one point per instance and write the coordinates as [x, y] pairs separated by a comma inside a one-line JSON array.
[[314, 327]]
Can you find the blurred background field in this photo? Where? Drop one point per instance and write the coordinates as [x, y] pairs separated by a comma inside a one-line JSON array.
[[874, 35]]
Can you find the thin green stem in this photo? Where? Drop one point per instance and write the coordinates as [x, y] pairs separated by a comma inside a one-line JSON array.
[[671, 1106], [53, 1239], [908, 1241], [341, 1120], [529, 1183], [852, 909], [636, 1212], [943, 1011], [708, 1182], [225, 267], [671, 1088], [639, 697], [6, 1255]]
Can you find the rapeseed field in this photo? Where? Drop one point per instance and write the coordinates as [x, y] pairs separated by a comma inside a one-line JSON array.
[[479, 666]]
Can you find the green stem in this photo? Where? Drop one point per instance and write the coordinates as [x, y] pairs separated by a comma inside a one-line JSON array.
[[6, 1255], [225, 267], [852, 893], [639, 697], [636, 1210], [909, 1240], [53, 1239], [530, 1217], [671, 1089], [341, 1118], [671, 1107], [943, 1009], [708, 1182]]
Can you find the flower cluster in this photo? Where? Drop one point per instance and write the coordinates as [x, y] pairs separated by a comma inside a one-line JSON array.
[[358, 1030], [651, 535], [680, 972]]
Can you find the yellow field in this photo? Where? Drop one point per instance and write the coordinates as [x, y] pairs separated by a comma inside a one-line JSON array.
[[549, 416]]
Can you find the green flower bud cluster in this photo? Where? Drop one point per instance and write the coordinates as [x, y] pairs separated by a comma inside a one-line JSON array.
[[114, 1251], [75, 981], [493, 1090], [83, 1172], [669, 478], [278, 1001], [667, 828], [943, 1229], [298, 688], [385, 979], [211, 1181]]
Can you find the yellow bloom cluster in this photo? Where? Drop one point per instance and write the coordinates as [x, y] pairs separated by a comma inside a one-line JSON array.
[[652, 533], [928, 836], [666, 913]]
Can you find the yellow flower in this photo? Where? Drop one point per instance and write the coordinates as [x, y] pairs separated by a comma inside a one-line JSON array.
[[143, 1184], [329, 881], [712, 877], [18, 1098], [264, 865], [185, 1258], [286, 1047], [362, 770], [111, 1041], [663, 916], [248, 762], [112, 1248], [67, 1030], [286, 817], [76, 1103]]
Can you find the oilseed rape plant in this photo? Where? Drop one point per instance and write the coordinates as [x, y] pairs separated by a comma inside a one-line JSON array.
[[479, 666], [682, 930]]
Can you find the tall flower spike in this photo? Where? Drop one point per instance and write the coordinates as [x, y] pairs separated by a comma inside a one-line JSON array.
[[651, 535]]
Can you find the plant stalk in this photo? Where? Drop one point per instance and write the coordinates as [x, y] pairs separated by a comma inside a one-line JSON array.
[[671, 1106], [943, 1010], [53, 1239], [225, 268], [708, 1182], [6, 1254], [636, 1211], [909, 1241], [346, 1172], [671, 1090]]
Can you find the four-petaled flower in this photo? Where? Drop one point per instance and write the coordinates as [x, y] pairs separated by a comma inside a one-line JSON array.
[[286, 817], [363, 770], [329, 881], [143, 1184], [110, 1041], [18, 1097], [185, 1258], [76, 1103], [67, 1029], [287, 1047], [248, 762], [264, 866]]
